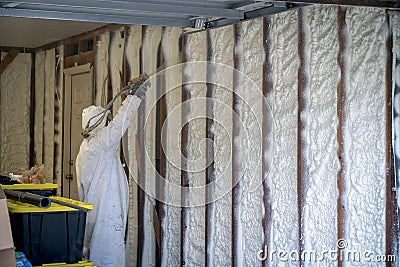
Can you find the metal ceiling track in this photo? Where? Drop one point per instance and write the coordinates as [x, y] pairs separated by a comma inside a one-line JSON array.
[[270, 8], [201, 14], [164, 13], [389, 4], [177, 13]]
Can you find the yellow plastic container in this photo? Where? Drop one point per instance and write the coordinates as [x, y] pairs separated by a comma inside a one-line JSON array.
[[63, 264], [15, 206], [46, 186], [45, 190]]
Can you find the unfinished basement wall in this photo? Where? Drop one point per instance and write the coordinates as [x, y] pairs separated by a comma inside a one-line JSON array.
[[15, 92], [318, 176]]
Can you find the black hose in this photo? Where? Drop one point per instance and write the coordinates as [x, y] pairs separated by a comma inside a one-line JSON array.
[[25, 197], [69, 205], [129, 89]]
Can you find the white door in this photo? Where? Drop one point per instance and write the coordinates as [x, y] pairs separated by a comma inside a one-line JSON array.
[[78, 96]]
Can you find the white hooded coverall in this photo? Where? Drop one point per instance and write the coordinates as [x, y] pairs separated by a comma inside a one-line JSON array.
[[102, 182]]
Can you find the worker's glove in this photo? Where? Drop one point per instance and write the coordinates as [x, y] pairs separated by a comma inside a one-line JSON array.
[[141, 91], [137, 86]]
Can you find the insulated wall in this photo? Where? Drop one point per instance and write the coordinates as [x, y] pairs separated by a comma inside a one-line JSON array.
[[170, 241], [32, 126], [283, 51], [220, 127], [193, 220], [283, 142], [48, 115], [121, 55], [308, 155], [15, 91], [364, 128]]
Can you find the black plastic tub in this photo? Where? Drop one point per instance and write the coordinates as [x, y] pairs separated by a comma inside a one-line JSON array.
[[49, 235]]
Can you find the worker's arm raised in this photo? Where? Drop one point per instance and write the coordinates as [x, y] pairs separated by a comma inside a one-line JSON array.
[[112, 134]]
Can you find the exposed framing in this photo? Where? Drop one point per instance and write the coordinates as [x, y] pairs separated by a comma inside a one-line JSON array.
[[392, 223], [11, 55], [236, 133], [185, 213], [267, 86], [302, 165], [341, 103], [210, 170]]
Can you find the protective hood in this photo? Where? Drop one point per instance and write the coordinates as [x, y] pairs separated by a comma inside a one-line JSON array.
[[92, 112]]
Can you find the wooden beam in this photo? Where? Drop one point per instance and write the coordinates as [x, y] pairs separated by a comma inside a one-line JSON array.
[[392, 230], [237, 131], [162, 135], [81, 36], [161, 168], [7, 60], [81, 59], [19, 49], [302, 171], [370, 3], [210, 171], [185, 212], [341, 104], [32, 157], [157, 227], [140, 144], [267, 86]]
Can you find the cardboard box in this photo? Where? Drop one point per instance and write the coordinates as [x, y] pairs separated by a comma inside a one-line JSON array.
[[7, 255]]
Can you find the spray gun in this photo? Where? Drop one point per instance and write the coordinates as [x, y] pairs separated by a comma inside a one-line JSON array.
[[130, 89]]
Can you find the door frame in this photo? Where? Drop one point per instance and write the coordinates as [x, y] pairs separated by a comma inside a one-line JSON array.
[[66, 157]]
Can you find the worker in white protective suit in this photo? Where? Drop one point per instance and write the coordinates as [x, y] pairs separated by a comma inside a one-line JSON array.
[[102, 182]]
